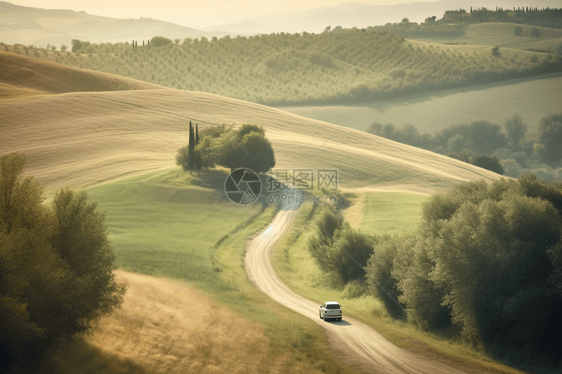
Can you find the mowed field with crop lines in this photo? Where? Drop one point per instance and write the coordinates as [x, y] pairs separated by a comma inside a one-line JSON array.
[[132, 132]]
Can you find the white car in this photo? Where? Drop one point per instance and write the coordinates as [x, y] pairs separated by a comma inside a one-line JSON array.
[[330, 310]]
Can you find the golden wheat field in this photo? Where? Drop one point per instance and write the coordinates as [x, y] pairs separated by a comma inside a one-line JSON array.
[[190, 334], [84, 138]]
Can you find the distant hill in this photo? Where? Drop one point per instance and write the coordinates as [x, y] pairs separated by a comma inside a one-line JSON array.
[[359, 15], [246, 27], [26, 25], [488, 33], [340, 66]]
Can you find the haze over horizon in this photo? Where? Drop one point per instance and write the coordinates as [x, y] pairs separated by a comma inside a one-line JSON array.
[[219, 12]]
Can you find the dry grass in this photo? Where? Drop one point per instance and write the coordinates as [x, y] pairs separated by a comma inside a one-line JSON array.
[[84, 138], [354, 213], [189, 334], [25, 76]]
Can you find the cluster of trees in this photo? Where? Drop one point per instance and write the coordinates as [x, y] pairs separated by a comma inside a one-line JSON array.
[[339, 249], [337, 66], [547, 17], [245, 147], [429, 29], [486, 260], [533, 32], [56, 266], [503, 149]]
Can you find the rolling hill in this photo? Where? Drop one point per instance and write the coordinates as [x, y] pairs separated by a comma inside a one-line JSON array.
[[502, 34], [357, 14], [27, 25], [22, 76], [84, 138], [530, 98], [340, 66], [88, 138]]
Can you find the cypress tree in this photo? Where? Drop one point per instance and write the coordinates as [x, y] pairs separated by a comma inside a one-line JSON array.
[[191, 148], [198, 158]]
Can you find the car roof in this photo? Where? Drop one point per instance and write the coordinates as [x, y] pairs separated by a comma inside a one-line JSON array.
[[332, 302]]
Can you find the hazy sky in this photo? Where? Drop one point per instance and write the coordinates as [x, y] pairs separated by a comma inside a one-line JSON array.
[[205, 7], [196, 11]]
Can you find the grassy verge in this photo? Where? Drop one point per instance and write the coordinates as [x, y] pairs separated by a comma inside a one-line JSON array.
[[390, 212], [167, 223], [296, 267]]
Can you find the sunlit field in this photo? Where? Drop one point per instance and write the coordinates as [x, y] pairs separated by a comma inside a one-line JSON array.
[[502, 34], [530, 99], [165, 223], [121, 252], [387, 212]]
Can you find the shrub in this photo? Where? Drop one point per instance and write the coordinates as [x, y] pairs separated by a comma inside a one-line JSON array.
[[518, 30], [515, 129], [488, 163], [56, 266], [159, 41], [550, 136], [535, 33], [246, 148], [340, 250], [182, 158]]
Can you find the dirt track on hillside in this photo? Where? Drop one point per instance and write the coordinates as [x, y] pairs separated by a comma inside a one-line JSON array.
[[353, 342]]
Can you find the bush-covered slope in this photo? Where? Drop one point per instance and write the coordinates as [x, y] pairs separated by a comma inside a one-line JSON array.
[[343, 65]]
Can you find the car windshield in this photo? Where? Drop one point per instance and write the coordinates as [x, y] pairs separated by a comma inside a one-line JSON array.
[[332, 306]]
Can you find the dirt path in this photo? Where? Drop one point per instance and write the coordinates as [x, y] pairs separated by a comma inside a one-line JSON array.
[[353, 342]]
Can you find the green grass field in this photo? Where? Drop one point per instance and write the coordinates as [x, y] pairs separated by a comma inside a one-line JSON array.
[[530, 98], [389, 212], [296, 267], [164, 223], [167, 223], [502, 34]]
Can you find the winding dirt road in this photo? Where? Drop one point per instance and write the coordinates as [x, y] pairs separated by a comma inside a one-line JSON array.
[[353, 342]]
